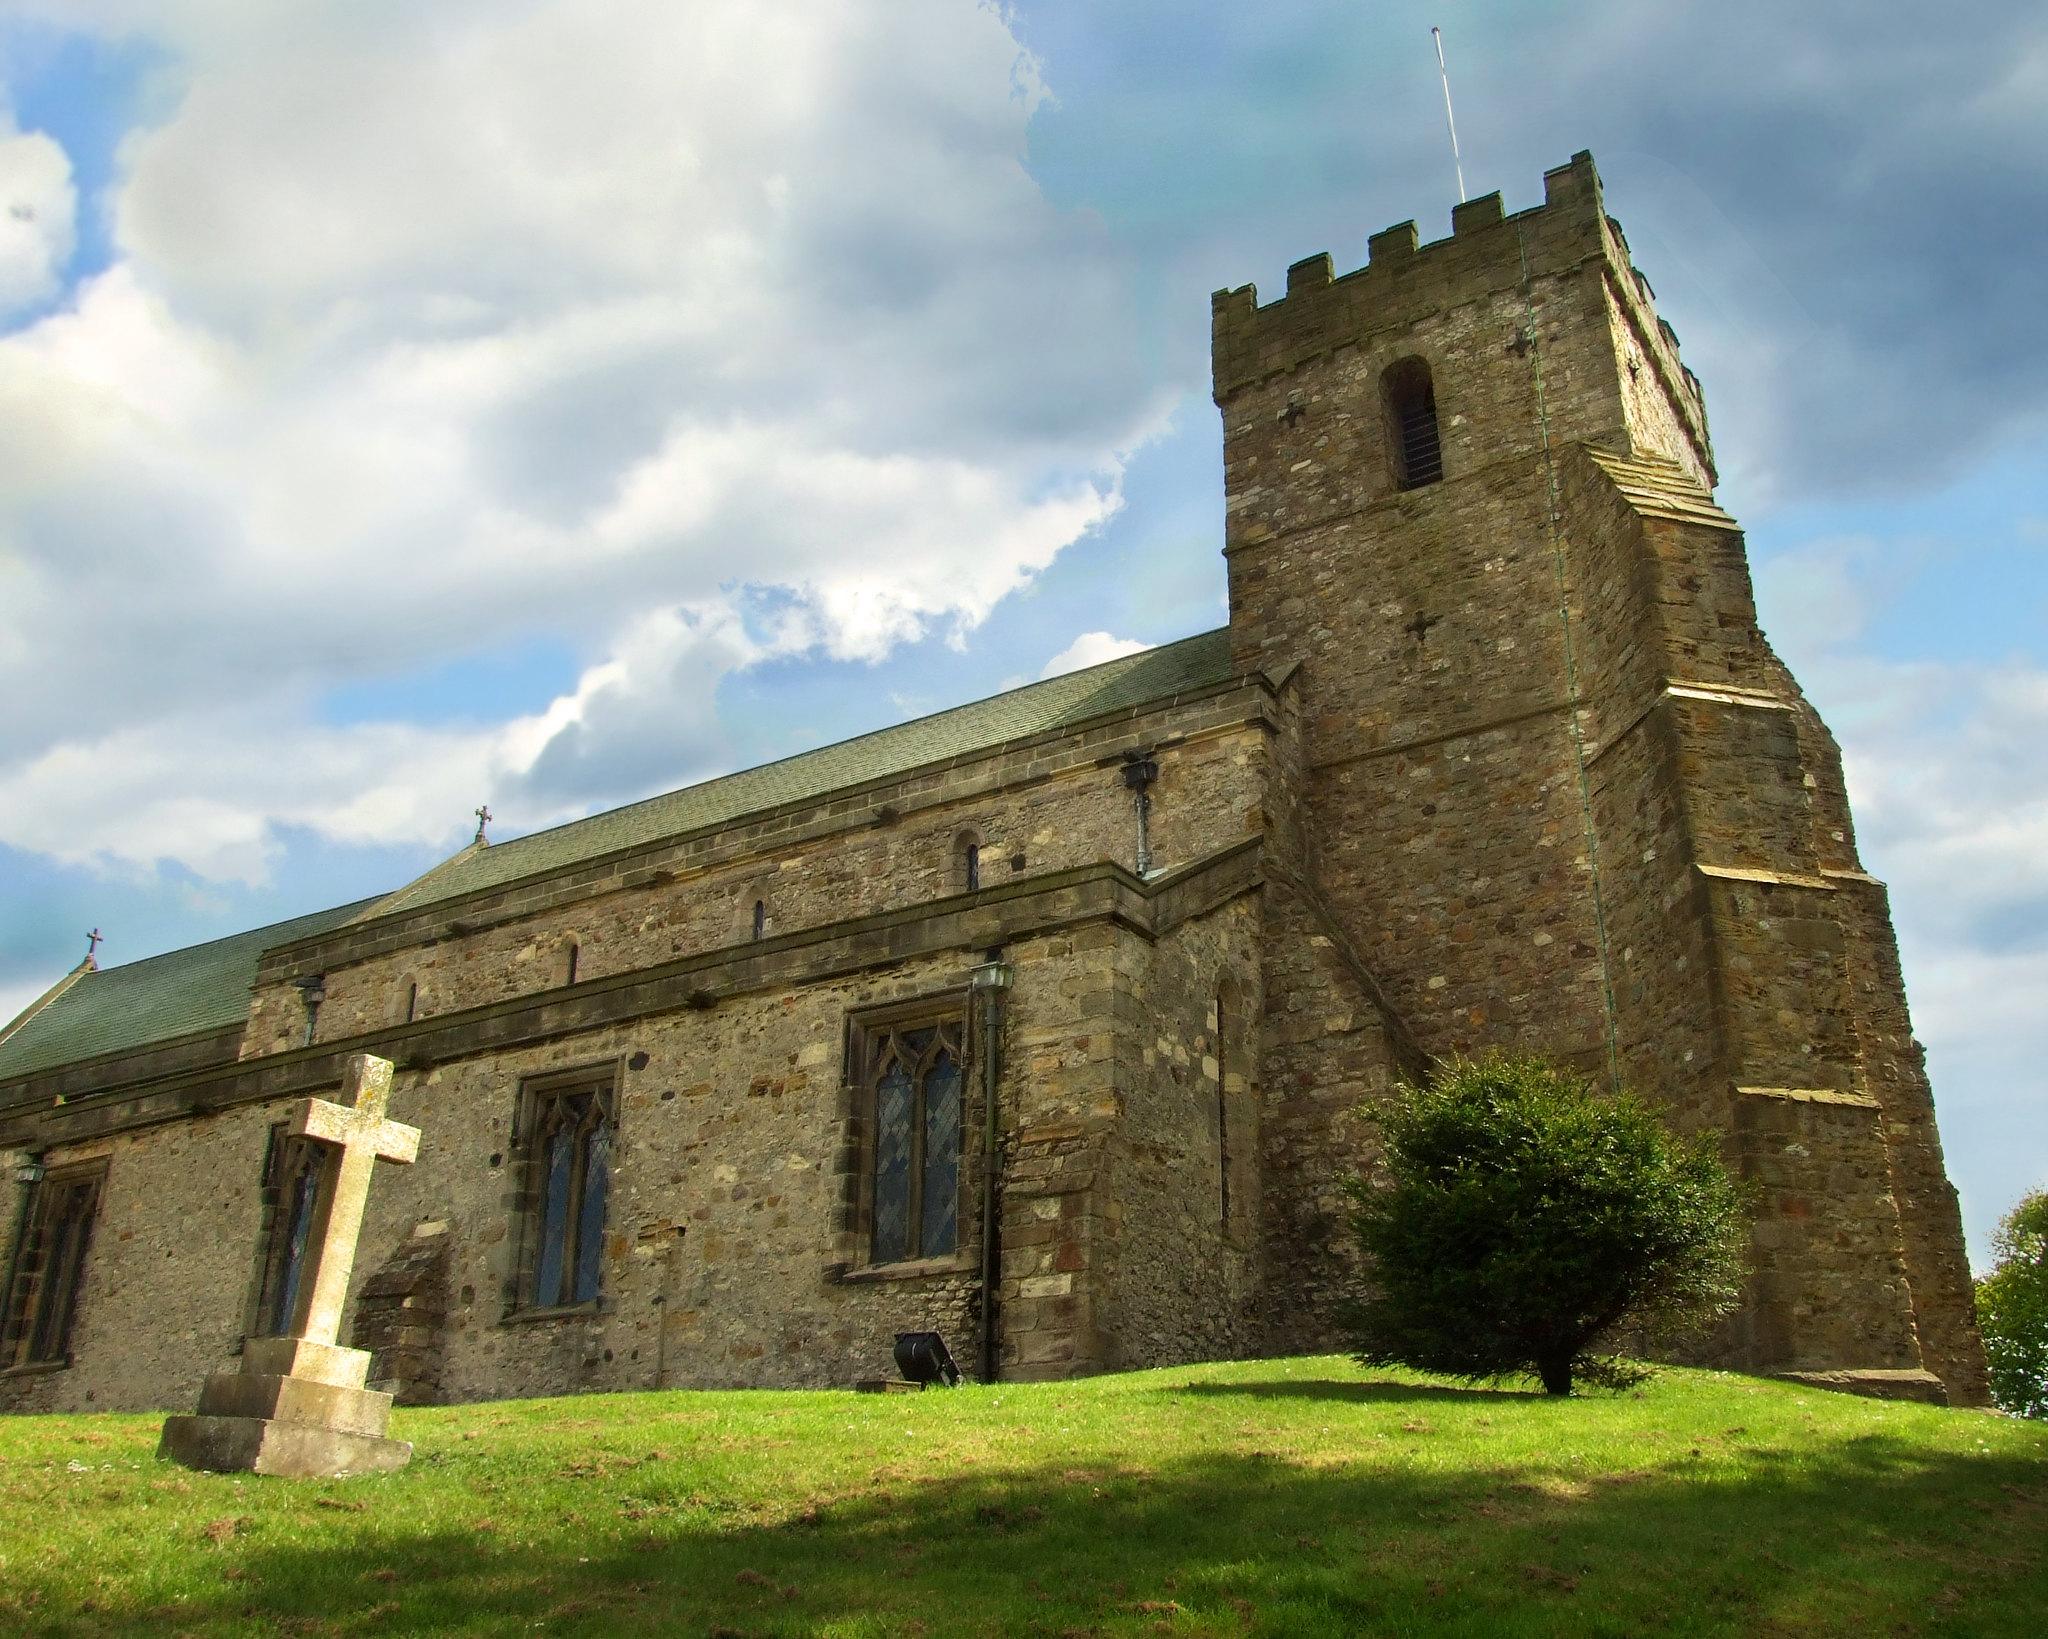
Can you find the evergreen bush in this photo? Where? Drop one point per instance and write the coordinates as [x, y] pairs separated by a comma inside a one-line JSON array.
[[1525, 1220]]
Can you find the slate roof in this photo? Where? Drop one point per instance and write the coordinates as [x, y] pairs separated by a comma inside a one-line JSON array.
[[206, 987], [180, 993], [1134, 680]]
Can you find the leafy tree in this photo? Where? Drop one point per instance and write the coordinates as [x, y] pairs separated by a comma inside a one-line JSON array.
[[1525, 1219], [2012, 1310]]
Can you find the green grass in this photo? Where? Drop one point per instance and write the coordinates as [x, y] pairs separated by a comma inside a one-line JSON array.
[[1290, 1497]]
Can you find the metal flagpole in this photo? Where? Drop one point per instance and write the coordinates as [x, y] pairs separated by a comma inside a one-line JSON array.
[[1450, 120]]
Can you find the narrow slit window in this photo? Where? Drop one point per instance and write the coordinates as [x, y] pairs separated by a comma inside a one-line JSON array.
[[970, 866], [760, 918], [575, 956], [1222, 1119], [1411, 413]]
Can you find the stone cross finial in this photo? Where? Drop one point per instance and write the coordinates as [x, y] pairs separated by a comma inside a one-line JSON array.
[[93, 941], [483, 818], [357, 1134]]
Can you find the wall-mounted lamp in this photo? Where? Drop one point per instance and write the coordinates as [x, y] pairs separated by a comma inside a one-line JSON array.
[[992, 976], [312, 991], [29, 1172]]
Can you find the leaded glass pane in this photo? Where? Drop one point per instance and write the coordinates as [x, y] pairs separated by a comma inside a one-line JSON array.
[[47, 1341], [597, 1173], [298, 1207], [892, 1165], [559, 1162], [941, 1198]]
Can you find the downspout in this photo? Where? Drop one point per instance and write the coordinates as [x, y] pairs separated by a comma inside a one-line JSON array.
[[1140, 770], [990, 980]]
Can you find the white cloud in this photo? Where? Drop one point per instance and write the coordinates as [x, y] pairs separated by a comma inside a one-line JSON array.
[[688, 335], [1952, 810], [1091, 649], [38, 209]]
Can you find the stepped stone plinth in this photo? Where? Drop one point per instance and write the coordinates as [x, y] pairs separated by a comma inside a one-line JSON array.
[[297, 1404]]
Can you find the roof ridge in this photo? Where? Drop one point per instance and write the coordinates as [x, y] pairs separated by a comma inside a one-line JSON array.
[[834, 745], [105, 970]]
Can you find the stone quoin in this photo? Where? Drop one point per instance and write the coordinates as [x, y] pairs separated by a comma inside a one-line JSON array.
[[921, 1031]]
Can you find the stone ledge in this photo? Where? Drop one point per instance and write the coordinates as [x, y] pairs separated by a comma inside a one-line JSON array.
[[997, 915], [1875, 1383], [1812, 1095], [1768, 879]]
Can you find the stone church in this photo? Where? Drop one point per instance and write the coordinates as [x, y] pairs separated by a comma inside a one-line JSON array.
[[1054, 1023]]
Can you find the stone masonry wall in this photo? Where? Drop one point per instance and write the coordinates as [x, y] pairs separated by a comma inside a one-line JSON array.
[[1562, 797], [725, 1257], [1183, 1202], [854, 863]]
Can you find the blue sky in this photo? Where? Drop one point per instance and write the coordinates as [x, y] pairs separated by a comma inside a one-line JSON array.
[[552, 401]]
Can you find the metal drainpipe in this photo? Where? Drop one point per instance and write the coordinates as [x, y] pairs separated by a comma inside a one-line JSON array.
[[990, 980], [1140, 770]]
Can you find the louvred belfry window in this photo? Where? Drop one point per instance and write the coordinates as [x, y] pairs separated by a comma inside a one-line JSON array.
[[915, 1086], [1411, 413]]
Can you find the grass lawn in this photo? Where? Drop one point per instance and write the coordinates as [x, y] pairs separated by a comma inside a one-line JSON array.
[[1276, 1497]]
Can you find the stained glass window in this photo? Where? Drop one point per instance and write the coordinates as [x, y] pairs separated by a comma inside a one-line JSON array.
[[291, 1190], [568, 1149], [914, 1080], [51, 1267]]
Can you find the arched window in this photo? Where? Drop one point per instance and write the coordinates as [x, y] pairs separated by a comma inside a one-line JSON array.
[[1411, 417], [967, 857], [760, 917], [573, 957], [410, 1004]]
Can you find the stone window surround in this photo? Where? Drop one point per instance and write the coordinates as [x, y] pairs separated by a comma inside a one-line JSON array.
[[857, 1119], [523, 1199], [283, 1158], [22, 1314]]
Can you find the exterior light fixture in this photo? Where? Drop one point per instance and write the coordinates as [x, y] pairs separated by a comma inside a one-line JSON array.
[[992, 976], [312, 991], [29, 1172], [922, 1359]]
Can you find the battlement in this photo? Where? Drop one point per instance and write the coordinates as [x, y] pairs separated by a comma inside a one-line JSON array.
[[1406, 282]]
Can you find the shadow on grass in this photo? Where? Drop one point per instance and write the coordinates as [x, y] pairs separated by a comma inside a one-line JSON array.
[[1875, 1534], [1376, 1392]]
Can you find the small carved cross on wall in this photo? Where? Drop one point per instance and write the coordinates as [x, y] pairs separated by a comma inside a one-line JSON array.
[[1421, 624], [1521, 344], [1294, 411]]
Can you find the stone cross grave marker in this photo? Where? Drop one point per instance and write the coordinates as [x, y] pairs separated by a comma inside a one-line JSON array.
[[297, 1405]]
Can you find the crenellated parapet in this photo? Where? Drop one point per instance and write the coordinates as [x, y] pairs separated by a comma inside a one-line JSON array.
[[1407, 286]]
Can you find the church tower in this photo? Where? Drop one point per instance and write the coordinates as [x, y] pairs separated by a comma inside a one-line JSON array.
[[1556, 792]]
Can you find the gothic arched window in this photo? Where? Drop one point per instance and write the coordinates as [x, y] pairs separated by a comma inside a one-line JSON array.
[[1411, 417], [910, 1072], [566, 1165]]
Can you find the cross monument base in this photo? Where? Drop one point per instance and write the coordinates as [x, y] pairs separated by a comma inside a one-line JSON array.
[[296, 1408]]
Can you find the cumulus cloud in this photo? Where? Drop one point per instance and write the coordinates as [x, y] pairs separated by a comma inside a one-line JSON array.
[[38, 208], [1091, 649], [693, 335], [1954, 815]]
